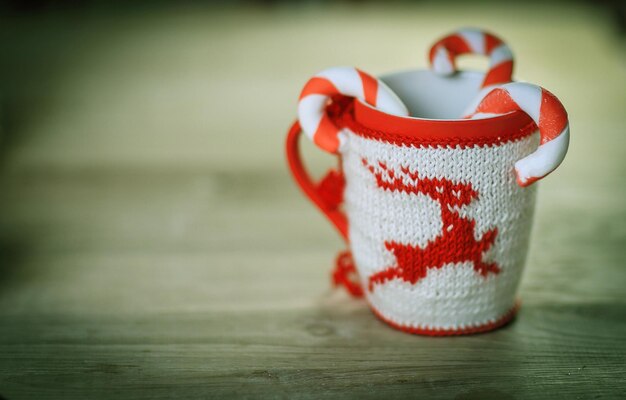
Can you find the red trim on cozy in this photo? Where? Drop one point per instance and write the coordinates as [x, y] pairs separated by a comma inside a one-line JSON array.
[[489, 326], [371, 123]]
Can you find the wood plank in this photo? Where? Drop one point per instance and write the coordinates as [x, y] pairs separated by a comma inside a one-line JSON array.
[[337, 349]]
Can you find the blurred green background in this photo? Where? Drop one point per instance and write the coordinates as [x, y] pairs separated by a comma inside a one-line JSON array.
[[150, 232], [108, 84]]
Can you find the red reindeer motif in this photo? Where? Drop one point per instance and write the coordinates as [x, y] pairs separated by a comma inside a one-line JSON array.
[[455, 244]]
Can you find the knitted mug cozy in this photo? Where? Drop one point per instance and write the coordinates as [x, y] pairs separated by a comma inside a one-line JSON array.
[[437, 212]]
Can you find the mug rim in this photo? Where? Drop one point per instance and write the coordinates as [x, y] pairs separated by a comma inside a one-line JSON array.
[[365, 120], [468, 74]]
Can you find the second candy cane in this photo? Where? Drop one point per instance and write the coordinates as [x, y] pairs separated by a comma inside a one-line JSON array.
[[442, 55]]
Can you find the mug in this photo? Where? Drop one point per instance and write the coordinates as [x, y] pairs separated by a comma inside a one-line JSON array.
[[437, 210]]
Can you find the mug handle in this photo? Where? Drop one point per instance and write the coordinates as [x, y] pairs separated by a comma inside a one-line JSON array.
[[327, 195]]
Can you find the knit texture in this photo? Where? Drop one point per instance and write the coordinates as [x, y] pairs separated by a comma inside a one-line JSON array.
[[438, 233]]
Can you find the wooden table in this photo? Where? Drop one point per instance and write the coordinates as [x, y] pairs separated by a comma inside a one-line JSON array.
[[152, 244]]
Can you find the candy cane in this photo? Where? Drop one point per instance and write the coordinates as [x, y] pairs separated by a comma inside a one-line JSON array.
[[443, 53], [347, 81], [549, 115]]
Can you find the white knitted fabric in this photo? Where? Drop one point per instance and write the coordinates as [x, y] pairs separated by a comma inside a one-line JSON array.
[[454, 295]]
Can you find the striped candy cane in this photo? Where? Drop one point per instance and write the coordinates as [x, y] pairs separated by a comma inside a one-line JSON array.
[[473, 41], [549, 115], [347, 81]]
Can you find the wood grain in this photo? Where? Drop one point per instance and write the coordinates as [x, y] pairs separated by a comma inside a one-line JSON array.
[[153, 246]]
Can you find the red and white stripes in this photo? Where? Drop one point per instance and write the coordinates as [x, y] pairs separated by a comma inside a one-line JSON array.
[[497, 96], [347, 81], [473, 41], [549, 115]]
